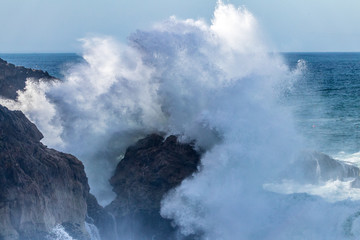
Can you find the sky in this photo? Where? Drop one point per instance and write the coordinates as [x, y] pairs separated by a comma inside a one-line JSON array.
[[288, 25]]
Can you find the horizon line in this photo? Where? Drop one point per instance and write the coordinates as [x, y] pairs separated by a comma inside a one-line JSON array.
[[77, 53]]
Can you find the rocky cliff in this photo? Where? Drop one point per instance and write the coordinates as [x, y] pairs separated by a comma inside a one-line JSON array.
[[13, 78], [149, 169], [40, 188]]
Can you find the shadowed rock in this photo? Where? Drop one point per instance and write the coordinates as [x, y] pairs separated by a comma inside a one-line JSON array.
[[40, 187], [98, 216], [148, 170], [13, 78]]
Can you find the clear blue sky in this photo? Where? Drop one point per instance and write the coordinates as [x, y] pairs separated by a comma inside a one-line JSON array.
[[289, 25]]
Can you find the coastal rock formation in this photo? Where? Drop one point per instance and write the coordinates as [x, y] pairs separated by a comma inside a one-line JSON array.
[[100, 218], [13, 78], [313, 167], [149, 169], [39, 187]]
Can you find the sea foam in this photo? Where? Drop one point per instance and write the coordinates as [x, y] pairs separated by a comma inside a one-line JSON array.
[[215, 84]]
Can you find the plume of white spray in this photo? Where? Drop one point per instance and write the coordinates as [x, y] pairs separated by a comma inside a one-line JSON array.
[[183, 77], [33, 102], [215, 84]]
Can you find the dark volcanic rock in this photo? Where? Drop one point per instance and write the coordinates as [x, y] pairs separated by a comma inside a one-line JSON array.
[[39, 187], [148, 170], [13, 78]]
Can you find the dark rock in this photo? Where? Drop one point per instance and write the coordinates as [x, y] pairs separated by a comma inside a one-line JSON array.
[[39, 187], [148, 170], [98, 216], [13, 78]]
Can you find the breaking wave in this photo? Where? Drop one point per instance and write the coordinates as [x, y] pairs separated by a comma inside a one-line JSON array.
[[213, 83]]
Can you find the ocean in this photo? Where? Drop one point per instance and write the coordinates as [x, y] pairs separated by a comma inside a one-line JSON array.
[[325, 100], [259, 119], [54, 63], [249, 128]]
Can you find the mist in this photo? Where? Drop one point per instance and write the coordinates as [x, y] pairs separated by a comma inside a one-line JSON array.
[[216, 85]]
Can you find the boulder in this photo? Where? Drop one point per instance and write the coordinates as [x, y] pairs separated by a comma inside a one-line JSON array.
[[149, 169], [314, 167]]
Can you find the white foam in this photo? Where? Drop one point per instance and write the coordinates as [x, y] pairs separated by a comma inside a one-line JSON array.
[[59, 233], [216, 84], [353, 158], [93, 231], [332, 191]]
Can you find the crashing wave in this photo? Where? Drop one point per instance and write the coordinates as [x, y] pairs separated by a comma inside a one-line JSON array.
[[213, 84]]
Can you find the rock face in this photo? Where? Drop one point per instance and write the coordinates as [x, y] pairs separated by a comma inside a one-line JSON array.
[[99, 217], [314, 167], [148, 170], [39, 187], [13, 78]]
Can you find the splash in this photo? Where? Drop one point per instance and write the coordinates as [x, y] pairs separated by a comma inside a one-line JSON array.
[[58, 233], [184, 77], [333, 190], [92, 231], [353, 158], [215, 84]]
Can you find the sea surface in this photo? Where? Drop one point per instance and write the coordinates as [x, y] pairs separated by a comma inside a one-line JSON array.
[[55, 64], [325, 100], [322, 99]]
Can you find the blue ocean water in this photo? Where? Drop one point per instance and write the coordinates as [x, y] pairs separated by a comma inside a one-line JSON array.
[[54, 63], [324, 100]]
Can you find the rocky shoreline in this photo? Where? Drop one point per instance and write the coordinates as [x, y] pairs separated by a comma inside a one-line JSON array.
[[41, 188], [13, 78]]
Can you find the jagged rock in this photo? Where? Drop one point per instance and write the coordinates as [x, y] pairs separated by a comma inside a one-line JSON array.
[[98, 216], [314, 167], [13, 78], [148, 170], [39, 187]]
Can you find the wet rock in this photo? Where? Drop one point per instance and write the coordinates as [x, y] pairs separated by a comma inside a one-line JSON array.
[[313, 167], [99, 217], [13, 78], [39, 187], [149, 169]]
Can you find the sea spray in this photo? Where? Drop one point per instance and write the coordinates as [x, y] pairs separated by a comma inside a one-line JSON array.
[[92, 231], [184, 77], [213, 84], [115, 226], [58, 233]]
